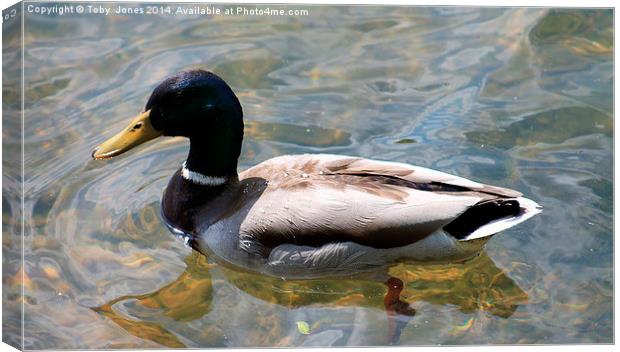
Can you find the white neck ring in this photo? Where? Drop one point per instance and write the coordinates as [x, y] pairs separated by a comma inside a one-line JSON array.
[[197, 177]]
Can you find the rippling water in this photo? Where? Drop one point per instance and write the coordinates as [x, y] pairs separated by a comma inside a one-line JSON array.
[[518, 97]]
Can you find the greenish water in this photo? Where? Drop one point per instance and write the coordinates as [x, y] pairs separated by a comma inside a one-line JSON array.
[[521, 98]]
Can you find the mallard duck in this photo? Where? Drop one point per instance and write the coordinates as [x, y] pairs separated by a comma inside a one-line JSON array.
[[307, 215]]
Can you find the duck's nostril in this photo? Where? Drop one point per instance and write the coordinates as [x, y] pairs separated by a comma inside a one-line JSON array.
[[92, 155]]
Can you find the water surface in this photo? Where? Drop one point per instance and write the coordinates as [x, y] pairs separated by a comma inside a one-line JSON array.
[[516, 97]]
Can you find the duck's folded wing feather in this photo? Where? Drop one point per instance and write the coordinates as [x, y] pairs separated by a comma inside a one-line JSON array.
[[416, 174]]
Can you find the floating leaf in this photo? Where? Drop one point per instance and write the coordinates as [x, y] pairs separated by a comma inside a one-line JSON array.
[[303, 327]]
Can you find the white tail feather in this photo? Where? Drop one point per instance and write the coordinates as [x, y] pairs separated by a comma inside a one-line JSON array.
[[529, 208]]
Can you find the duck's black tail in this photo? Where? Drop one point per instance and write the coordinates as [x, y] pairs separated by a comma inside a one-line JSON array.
[[489, 217]]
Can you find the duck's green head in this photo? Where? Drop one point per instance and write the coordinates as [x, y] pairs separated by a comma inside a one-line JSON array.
[[195, 104]]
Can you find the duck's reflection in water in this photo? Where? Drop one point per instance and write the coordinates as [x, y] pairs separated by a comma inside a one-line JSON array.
[[185, 299], [477, 285], [399, 312]]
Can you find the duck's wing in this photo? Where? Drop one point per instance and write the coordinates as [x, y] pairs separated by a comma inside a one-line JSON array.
[[313, 200], [415, 174]]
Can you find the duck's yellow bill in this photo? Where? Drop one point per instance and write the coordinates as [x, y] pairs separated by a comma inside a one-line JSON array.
[[140, 130]]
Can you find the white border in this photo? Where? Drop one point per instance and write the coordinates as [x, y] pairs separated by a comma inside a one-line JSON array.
[[507, 3]]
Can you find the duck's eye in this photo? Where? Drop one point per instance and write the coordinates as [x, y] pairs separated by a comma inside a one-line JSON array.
[[137, 126]]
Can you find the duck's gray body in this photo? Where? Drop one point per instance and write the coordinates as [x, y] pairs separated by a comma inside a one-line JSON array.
[[317, 215]]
